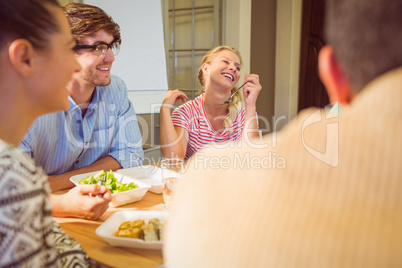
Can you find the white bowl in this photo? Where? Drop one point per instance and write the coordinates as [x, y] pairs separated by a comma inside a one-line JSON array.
[[111, 225], [148, 174], [122, 198]]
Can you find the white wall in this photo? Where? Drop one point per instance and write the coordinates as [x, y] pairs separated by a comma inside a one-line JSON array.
[[287, 59], [141, 60], [237, 28], [237, 23]]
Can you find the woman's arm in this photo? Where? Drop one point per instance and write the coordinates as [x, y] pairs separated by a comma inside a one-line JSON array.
[[250, 93], [173, 140]]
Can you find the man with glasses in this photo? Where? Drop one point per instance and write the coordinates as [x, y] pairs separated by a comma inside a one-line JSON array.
[[100, 130]]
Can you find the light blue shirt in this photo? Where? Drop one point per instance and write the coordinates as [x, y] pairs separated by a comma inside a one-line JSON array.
[[65, 141]]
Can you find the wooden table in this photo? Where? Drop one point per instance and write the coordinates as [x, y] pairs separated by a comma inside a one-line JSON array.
[[100, 251]]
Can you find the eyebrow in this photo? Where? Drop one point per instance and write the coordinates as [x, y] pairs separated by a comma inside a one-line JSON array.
[[101, 42]]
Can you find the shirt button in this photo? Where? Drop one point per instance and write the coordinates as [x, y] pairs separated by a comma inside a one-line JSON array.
[[77, 161], [79, 121]]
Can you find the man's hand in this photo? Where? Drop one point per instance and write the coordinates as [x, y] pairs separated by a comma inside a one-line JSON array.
[[81, 202]]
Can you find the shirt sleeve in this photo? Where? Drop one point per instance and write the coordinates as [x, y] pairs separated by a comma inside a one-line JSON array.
[[127, 144], [181, 118], [25, 144]]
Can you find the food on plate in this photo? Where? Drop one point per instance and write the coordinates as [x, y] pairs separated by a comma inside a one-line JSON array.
[[131, 229], [153, 231], [110, 182], [149, 232]]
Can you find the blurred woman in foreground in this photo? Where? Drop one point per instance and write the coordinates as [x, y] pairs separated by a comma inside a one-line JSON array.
[[36, 64]]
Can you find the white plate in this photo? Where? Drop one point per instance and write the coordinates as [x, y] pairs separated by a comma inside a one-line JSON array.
[[148, 174], [111, 225], [122, 198]]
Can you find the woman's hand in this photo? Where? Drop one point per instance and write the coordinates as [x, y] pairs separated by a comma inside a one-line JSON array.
[[251, 90], [250, 93], [173, 96]]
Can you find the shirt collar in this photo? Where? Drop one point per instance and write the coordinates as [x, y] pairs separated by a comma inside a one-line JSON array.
[[92, 105]]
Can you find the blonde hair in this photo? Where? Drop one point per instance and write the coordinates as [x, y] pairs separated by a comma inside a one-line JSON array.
[[237, 100]]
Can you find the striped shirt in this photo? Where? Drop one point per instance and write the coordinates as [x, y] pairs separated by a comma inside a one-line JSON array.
[[64, 141], [192, 117]]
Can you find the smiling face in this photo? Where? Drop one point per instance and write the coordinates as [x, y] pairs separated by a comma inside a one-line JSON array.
[[95, 71], [223, 70], [55, 68]]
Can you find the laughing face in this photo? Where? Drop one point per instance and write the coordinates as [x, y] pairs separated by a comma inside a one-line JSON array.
[[224, 69], [95, 70], [56, 66]]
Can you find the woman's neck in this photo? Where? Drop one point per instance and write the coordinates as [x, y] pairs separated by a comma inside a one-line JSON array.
[[215, 95], [16, 113], [212, 103], [215, 113]]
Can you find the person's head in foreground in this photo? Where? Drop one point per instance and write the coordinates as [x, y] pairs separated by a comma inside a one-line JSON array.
[[37, 62], [323, 192], [98, 42]]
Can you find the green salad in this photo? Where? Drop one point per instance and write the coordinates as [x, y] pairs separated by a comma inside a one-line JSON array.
[[111, 182]]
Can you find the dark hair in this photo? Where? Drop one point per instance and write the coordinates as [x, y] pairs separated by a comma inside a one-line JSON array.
[[366, 37], [30, 20], [85, 20]]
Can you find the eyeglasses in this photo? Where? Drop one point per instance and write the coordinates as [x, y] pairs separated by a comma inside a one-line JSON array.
[[100, 50]]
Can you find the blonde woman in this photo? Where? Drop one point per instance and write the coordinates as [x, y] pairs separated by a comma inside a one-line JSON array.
[[205, 120]]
